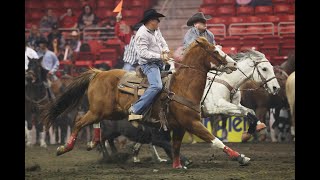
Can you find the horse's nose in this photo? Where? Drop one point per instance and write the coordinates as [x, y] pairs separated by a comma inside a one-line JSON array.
[[275, 89], [235, 64]]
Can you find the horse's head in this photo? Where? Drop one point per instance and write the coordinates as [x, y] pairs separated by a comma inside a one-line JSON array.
[[212, 56], [34, 72], [263, 72]]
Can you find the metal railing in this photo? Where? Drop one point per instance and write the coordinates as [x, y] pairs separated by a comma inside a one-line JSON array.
[[283, 25], [98, 33]]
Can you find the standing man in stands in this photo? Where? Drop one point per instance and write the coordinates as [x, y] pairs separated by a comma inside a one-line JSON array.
[[130, 56], [199, 28]]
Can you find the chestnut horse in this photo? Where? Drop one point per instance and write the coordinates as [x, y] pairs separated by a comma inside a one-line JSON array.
[[188, 83]]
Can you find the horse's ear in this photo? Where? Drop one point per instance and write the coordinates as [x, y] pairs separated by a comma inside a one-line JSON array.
[[29, 58], [40, 59]]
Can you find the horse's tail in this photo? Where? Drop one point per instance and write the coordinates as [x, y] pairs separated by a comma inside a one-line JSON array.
[[68, 100]]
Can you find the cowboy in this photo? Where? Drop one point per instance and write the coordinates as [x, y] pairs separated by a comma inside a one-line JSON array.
[[199, 28], [50, 63], [152, 50]]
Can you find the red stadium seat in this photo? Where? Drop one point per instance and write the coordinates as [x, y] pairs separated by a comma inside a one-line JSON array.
[[226, 2], [235, 41], [278, 60], [271, 40], [270, 18], [104, 13], [283, 9], [217, 20], [108, 54], [245, 11], [274, 2], [109, 62], [209, 2], [80, 63], [263, 10], [86, 56], [270, 50], [116, 44], [252, 40], [235, 19], [209, 10], [225, 11], [248, 47], [52, 4], [286, 18], [230, 49], [33, 5], [138, 4], [253, 19], [285, 50]]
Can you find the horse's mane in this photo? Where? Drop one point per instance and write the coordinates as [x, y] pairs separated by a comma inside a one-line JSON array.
[[192, 45], [247, 54]]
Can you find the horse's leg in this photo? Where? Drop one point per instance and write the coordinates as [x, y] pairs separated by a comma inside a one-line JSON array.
[[176, 140], [87, 119], [112, 146], [64, 129], [135, 152], [42, 133], [104, 150], [155, 154], [28, 117], [200, 130], [96, 137]]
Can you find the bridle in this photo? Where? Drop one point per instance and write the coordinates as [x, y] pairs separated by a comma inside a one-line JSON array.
[[220, 62], [264, 80], [205, 48]]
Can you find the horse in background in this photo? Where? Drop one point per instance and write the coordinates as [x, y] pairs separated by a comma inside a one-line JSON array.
[[222, 96], [290, 93], [58, 132], [183, 97], [36, 95], [260, 101]]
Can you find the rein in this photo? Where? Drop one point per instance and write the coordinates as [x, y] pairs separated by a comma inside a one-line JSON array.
[[264, 80]]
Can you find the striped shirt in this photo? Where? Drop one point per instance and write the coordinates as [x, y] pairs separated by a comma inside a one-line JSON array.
[[149, 45], [130, 54]]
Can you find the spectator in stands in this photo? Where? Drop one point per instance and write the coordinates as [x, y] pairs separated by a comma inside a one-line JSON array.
[[34, 37], [87, 18], [68, 19], [130, 57], [109, 24], [50, 62], [48, 20], [199, 28], [152, 51], [122, 30], [56, 40], [243, 2], [73, 44], [31, 54]]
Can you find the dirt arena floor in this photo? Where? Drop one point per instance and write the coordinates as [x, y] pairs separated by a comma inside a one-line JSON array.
[[268, 161]]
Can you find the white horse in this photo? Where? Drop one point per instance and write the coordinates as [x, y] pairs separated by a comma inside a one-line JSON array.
[[223, 96]]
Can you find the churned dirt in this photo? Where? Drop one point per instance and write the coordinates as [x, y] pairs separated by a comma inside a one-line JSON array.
[[268, 161]]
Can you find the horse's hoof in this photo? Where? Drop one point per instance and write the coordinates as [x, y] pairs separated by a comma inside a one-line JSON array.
[[161, 160], [136, 160], [44, 145], [91, 145], [180, 167], [62, 150], [243, 160]]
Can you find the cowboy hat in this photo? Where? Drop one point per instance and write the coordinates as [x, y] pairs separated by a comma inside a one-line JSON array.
[[199, 16], [149, 14]]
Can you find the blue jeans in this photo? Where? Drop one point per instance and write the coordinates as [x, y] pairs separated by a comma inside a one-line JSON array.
[[152, 71], [128, 67]]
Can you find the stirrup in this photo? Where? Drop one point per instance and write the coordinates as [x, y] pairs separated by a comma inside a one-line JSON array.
[[135, 117]]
